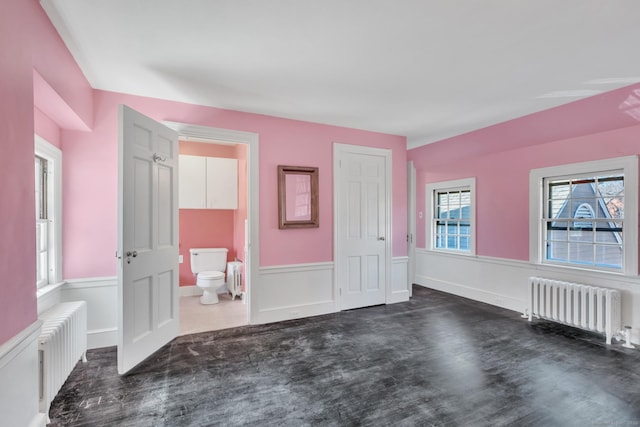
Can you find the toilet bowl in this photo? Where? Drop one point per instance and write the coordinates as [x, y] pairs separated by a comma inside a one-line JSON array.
[[208, 264]]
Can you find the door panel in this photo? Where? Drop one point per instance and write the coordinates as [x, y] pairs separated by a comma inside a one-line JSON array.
[[373, 267], [362, 252], [165, 297], [147, 238], [165, 209], [141, 308]]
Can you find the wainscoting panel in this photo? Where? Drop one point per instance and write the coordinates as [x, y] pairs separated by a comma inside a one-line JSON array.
[[101, 295], [400, 288], [19, 392], [293, 291], [504, 283]]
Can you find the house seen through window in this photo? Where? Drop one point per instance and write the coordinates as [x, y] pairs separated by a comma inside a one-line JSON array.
[[584, 220]]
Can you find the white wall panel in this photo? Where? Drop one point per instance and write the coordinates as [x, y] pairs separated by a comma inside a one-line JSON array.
[[290, 292], [101, 295], [504, 283], [19, 390], [400, 286]]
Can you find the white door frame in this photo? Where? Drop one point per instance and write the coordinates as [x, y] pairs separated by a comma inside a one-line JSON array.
[[411, 225], [338, 150], [191, 132]]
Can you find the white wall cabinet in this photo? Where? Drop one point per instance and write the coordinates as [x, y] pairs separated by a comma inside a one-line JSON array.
[[192, 182], [208, 183]]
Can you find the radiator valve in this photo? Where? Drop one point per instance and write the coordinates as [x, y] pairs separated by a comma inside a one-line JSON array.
[[625, 335]]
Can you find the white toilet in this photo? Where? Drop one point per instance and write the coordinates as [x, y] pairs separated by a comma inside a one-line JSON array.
[[208, 265]]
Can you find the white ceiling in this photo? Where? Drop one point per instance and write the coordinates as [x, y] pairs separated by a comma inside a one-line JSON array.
[[425, 69]]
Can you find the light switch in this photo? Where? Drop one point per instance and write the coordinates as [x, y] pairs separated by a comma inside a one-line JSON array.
[[180, 259]]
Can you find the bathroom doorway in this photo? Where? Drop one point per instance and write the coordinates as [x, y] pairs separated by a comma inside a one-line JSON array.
[[213, 195], [232, 227]]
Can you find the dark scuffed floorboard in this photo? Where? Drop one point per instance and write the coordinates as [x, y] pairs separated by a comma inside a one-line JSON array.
[[437, 360]]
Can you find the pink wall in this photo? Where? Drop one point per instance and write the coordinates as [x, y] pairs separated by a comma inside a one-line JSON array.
[[204, 228], [500, 157], [17, 245], [91, 168], [46, 128], [27, 41], [208, 228]]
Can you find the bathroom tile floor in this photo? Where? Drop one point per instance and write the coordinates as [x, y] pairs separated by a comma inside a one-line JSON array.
[[196, 317]]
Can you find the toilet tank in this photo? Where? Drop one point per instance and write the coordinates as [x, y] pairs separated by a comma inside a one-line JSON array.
[[208, 259]]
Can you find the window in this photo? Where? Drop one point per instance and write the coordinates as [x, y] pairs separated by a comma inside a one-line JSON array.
[[581, 216], [42, 246], [48, 191], [452, 208]]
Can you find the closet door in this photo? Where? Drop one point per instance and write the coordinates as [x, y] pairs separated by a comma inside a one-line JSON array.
[[192, 182]]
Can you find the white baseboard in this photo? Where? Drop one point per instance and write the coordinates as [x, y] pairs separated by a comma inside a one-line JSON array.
[[190, 291], [504, 283], [476, 294], [38, 420], [97, 338], [280, 314], [19, 393]]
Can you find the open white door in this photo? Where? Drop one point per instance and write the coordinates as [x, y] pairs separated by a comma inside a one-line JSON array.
[[147, 237], [362, 221]]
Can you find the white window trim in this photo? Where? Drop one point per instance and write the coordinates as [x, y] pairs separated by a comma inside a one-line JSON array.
[[53, 154], [430, 209], [629, 166]]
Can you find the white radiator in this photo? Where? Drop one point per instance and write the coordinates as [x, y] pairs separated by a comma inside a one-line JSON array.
[[61, 344], [587, 307], [234, 278]]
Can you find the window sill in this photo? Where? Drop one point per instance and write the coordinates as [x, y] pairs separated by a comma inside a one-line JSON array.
[[585, 270], [446, 252], [45, 290]]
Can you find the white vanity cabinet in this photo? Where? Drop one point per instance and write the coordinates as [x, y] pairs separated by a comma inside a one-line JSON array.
[[208, 183]]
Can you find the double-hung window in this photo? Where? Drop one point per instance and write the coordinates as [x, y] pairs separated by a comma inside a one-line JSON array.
[[452, 224], [580, 216], [48, 200], [42, 234]]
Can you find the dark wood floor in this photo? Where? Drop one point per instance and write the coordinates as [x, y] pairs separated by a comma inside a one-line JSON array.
[[438, 360]]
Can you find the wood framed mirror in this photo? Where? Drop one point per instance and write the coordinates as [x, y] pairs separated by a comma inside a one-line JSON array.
[[297, 197]]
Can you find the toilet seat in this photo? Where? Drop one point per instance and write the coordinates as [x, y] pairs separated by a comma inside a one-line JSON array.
[[211, 275]]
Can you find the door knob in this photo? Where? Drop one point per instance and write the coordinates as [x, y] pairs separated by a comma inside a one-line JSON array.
[[132, 254], [381, 238]]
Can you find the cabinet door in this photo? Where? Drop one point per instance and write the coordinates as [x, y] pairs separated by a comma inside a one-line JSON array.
[[192, 182], [222, 183]]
